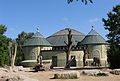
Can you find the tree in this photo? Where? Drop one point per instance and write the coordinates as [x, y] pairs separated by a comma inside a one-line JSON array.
[[112, 24], [4, 56], [23, 36], [84, 1], [20, 41], [69, 46], [3, 29], [86, 52], [12, 52]]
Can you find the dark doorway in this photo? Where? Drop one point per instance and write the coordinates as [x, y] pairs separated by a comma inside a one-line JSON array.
[[73, 61], [54, 61]]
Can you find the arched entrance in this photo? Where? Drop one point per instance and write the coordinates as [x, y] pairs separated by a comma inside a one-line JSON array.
[[96, 58], [96, 53]]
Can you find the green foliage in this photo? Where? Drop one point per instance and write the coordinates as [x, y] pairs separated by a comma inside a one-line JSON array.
[[3, 29], [4, 57], [20, 41], [112, 24], [83, 1], [22, 37]]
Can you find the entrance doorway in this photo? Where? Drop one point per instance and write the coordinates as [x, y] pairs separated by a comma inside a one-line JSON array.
[[73, 61], [96, 54], [54, 61]]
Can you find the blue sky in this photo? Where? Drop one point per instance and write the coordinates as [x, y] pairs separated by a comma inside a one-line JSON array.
[[53, 15]]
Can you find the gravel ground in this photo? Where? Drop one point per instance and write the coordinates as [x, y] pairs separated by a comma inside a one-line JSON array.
[[48, 75]]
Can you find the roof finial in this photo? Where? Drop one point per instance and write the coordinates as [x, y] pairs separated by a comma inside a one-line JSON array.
[[93, 28], [37, 29]]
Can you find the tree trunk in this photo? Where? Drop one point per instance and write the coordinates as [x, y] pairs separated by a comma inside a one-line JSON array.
[[68, 46], [67, 59], [12, 53], [84, 59], [41, 63], [85, 50]]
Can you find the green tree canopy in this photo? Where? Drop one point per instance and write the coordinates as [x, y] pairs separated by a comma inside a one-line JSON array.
[[3, 29], [84, 1], [112, 24], [4, 56], [22, 37]]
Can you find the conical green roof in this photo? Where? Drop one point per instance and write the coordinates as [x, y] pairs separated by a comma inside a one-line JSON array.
[[37, 40], [93, 38], [58, 38]]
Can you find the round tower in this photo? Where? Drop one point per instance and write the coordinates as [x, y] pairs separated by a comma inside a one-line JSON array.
[[97, 47], [32, 48]]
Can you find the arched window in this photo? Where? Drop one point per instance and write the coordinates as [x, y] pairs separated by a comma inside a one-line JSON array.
[[96, 53], [33, 56]]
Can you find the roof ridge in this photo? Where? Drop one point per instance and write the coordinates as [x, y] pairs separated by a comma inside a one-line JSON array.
[[37, 34], [93, 32], [64, 32], [93, 38]]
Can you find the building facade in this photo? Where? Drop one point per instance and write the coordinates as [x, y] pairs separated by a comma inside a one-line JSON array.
[[55, 55]]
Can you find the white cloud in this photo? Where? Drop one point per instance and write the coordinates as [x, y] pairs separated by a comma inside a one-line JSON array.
[[11, 29], [94, 20], [65, 19]]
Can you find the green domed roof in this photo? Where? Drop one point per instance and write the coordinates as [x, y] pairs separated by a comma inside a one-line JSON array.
[[37, 40], [58, 38], [93, 38]]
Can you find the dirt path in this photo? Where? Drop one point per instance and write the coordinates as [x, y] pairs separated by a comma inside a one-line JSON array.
[[47, 75]]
